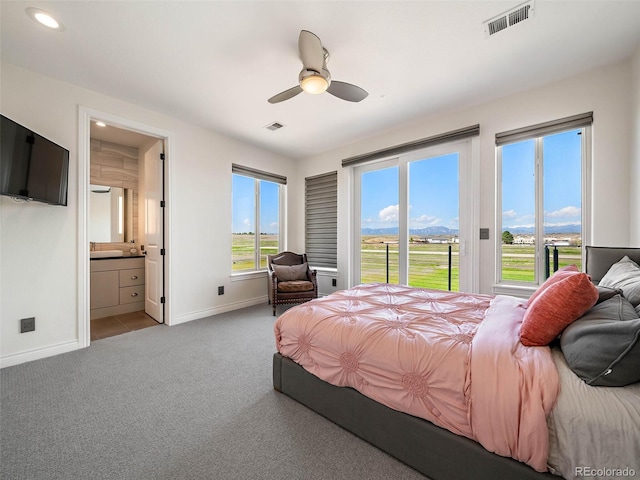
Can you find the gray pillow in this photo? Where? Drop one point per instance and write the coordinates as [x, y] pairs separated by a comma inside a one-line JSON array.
[[602, 347], [288, 273], [624, 275], [605, 293]]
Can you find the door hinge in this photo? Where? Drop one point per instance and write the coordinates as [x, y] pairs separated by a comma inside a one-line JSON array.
[[161, 203], [163, 299], [162, 156], [162, 251]]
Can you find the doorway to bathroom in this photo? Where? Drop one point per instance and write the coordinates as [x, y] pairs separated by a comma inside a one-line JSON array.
[[122, 156]]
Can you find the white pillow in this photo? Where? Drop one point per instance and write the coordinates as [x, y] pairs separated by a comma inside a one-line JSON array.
[[624, 275]]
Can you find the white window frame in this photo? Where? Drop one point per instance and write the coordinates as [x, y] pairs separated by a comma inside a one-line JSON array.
[[282, 240], [469, 211], [511, 287]]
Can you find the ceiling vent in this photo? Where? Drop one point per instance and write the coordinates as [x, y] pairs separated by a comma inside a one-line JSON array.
[[509, 18], [274, 126]]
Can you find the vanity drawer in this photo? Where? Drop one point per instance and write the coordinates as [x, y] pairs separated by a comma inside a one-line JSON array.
[[129, 277], [132, 294]]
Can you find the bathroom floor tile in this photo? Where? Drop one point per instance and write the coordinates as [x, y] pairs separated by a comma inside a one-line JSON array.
[[118, 324]]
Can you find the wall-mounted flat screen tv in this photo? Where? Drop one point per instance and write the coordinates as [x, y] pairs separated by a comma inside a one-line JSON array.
[[32, 167]]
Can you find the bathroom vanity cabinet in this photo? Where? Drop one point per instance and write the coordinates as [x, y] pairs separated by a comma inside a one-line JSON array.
[[117, 286]]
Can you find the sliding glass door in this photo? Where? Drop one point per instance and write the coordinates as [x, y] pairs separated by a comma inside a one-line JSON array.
[[413, 219], [380, 226], [434, 216]]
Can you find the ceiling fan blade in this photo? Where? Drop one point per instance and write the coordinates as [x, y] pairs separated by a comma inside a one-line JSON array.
[[286, 95], [347, 91], [311, 51]]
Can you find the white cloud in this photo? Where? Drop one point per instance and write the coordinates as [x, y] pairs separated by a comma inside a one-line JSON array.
[[566, 212], [246, 222], [389, 214], [425, 220], [524, 225], [509, 214], [562, 224]]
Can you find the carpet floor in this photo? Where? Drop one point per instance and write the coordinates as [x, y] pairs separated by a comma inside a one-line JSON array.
[[194, 401]]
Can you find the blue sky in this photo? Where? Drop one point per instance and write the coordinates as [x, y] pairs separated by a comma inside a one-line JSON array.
[[434, 190], [243, 216], [433, 195], [562, 182]]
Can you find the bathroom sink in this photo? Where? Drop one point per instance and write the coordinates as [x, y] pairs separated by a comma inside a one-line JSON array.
[[105, 253]]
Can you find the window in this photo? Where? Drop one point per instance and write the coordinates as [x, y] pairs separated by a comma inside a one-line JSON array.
[[409, 220], [256, 219], [414, 214], [543, 181], [321, 220]]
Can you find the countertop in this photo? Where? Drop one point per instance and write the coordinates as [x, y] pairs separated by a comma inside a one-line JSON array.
[[126, 255]]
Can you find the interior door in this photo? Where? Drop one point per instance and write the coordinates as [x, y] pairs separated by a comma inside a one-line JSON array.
[[154, 231]]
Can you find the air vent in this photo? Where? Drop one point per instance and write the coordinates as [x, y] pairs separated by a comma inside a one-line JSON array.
[[509, 18], [274, 126]]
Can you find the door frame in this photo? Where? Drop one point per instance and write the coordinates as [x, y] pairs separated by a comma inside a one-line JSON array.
[[85, 116]]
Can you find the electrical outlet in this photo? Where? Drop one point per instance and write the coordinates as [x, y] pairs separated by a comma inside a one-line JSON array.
[[334, 282], [220, 290], [27, 324]]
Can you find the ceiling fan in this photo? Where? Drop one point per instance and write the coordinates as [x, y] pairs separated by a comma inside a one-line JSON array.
[[314, 77]]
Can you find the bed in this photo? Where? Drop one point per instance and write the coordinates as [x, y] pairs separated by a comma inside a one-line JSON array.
[[451, 425]]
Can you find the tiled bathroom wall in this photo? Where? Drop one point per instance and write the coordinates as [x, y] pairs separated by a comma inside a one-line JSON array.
[[116, 166]]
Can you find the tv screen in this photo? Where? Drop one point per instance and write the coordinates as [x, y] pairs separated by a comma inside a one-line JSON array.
[[32, 167]]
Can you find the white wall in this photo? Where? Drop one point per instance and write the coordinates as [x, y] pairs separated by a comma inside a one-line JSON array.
[[635, 152], [38, 243], [39, 246], [604, 91]]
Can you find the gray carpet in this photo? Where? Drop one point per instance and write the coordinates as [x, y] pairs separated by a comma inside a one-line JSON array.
[[194, 401]]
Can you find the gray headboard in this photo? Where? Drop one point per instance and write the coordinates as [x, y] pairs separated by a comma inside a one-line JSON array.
[[599, 259]]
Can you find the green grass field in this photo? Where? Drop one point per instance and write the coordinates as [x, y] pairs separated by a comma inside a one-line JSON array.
[[428, 263], [243, 249], [518, 261]]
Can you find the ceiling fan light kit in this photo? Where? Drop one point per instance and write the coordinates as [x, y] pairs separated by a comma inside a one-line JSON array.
[[314, 77], [313, 82]]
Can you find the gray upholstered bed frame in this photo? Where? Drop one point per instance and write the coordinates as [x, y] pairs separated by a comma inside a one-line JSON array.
[[429, 449]]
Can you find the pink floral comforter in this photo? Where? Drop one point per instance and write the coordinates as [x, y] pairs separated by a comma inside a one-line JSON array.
[[451, 358]]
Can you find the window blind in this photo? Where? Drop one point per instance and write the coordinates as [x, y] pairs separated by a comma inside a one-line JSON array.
[[259, 174], [546, 128], [471, 131], [321, 220]]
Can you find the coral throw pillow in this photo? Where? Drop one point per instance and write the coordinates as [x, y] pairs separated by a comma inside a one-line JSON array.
[[556, 307], [560, 274]]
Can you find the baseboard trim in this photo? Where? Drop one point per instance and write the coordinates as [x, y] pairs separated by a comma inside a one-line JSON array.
[[38, 353], [188, 317]]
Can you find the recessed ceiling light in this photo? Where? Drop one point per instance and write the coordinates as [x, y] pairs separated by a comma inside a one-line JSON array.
[[101, 124], [44, 18]]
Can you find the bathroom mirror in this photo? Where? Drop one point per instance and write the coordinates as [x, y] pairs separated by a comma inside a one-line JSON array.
[[110, 214]]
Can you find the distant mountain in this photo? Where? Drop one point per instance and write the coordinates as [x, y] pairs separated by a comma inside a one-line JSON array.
[[548, 230], [413, 231], [437, 230]]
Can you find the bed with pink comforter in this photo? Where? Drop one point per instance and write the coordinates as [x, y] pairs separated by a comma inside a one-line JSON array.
[[453, 359]]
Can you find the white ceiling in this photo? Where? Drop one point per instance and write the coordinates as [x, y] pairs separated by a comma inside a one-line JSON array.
[[215, 64]]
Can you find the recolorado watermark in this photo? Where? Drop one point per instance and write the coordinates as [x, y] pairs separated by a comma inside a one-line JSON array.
[[605, 472]]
